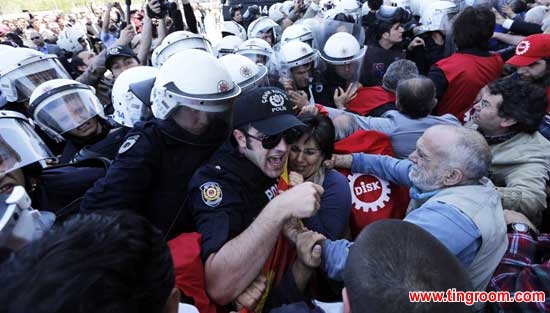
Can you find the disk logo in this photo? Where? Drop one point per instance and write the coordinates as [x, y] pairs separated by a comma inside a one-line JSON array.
[[368, 192]]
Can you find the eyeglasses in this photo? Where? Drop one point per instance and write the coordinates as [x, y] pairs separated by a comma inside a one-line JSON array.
[[308, 152], [34, 38], [269, 142]]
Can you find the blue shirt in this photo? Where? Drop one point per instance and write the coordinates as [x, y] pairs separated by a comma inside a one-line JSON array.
[[107, 38], [452, 227], [402, 130], [44, 49], [335, 208]]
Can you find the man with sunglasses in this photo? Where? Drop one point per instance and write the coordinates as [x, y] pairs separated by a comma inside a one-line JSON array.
[[238, 212], [42, 46]]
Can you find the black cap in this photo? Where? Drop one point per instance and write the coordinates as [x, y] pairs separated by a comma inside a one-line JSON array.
[[267, 109], [119, 51]]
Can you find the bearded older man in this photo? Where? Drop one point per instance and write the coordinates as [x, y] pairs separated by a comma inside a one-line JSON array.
[[450, 197]]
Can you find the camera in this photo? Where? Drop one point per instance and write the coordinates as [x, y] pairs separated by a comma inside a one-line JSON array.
[[164, 9]]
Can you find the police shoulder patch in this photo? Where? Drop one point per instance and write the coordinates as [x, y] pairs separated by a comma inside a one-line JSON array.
[[211, 194], [128, 143]]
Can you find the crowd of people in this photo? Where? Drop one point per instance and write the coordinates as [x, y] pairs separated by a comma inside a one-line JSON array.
[[321, 157]]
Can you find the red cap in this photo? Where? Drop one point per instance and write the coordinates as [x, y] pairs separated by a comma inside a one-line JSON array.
[[530, 50]]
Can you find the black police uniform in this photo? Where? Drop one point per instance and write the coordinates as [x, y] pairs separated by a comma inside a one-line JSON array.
[[323, 91], [104, 148], [150, 174], [376, 61], [106, 143], [59, 189], [226, 194]]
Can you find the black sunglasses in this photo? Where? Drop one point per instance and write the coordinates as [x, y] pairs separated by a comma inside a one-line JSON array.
[[269, 142], [37, 37]]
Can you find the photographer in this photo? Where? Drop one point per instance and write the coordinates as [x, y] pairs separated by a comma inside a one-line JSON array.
[[94, 73], [236, 14], [386, 46], [109, 30]]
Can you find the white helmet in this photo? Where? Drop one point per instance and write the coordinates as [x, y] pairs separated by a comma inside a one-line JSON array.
[[131, 95], [243, 71], [254, 47], [61, 105], [342, 48], [19, 143], [275, 12], [235, 29], [19, 222], [436, 15], [227, 45], [287, 7], [297, 32], [24, 69], [297, 53], [351, 8], [263, 25], [330, 14], [5, 47], [418, 6], [206, 94], [68, 39], [178, 41]]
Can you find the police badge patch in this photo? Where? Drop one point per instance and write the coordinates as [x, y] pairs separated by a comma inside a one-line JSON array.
[[128, 143], [211, 194]]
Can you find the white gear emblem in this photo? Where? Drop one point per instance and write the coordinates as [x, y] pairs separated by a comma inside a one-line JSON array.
[[523, 47], [363, 185]]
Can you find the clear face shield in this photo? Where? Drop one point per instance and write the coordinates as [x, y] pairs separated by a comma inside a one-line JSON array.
[[260, 79], [296, 69], [64, 111], [437, 20], [131, 110], [259, 54], [206, 119], [341, 61], [20, 145], [139, 107], [32, 72]]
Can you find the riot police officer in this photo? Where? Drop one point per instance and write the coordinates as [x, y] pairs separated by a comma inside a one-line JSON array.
[[154, 164], [67, 110], [23, 157]]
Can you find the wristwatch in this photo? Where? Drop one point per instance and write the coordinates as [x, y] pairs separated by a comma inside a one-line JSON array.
[[522, 228]]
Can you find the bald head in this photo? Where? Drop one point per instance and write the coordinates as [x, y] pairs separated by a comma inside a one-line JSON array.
[[416, 97], [380, 273]]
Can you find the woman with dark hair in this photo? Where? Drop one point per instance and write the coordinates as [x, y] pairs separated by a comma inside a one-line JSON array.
[[306, 158]]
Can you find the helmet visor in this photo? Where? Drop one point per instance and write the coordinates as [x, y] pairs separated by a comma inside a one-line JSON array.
[[185, 44], [67, 110], [205, 127], [19, 145], [207, 120], [31, 75]]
